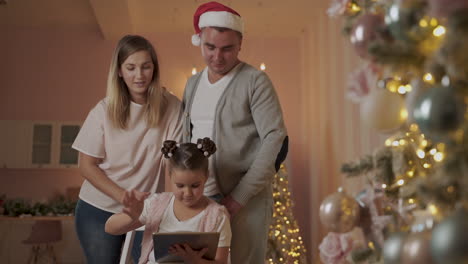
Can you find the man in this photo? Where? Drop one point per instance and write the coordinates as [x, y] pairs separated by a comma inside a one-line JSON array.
[[236, 105]]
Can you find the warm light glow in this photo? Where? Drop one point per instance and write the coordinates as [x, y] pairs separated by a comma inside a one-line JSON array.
[[355, 7], [428, 78], [433, 209], [403, 114], [401, 89], [194, 71], [384, 186], [439, 156], [262, 66], [411, 201], [424, 142], [401, 182], [423, 23], [413, 127], [439, 31], [388, 142], [421, 154], [434, 22]]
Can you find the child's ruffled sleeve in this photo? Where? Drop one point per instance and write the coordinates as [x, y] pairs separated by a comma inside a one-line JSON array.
[[148, 203]]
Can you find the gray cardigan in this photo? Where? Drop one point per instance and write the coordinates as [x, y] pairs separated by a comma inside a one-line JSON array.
[[248, 131]]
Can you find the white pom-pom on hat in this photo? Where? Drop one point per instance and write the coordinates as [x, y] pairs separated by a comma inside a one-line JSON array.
[[196, 41]]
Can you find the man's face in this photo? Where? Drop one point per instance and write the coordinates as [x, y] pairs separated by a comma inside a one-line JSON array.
[[220, 50]]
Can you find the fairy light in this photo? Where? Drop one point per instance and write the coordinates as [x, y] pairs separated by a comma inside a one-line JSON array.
[[388, 142], [423, 23], [194, 71], [424, 142], [428, 78], [403, 114], [262, 66], [439, 156], [433, 22], [439, 31], [414, 127], [284, 232], [355, 8], [384, 186], [401, 182], [421, 154], [433, 209]]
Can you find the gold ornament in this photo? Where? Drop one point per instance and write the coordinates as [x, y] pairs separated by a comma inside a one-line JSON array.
[[339, 212]]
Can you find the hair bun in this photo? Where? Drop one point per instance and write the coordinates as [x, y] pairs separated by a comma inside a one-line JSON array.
[[168, 149], [206, 146]]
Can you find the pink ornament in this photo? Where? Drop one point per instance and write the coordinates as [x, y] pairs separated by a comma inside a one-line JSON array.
[[364, 31], [335, 247], [361, 82], [444, 8], [338, 8]]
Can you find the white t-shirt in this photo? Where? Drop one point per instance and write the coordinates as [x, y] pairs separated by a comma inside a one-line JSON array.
[[132, 157], [203, 113], [170, 223]]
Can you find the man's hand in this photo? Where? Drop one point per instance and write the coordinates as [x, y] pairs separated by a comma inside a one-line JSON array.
[[231, 205], [133, 202]]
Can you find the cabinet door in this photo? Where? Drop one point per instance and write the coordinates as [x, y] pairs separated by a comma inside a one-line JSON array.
[[68, 157], [42, 148], [15, 143]]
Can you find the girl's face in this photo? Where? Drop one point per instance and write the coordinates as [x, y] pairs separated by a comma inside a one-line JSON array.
[[188, 186], [137, 73]]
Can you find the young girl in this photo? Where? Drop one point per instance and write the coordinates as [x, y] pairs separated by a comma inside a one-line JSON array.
[[185, 209]]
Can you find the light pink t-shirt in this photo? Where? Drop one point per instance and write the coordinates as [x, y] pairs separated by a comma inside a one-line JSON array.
[[131, 157]]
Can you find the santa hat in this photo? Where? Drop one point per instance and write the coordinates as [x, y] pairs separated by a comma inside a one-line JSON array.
[[214, 14]]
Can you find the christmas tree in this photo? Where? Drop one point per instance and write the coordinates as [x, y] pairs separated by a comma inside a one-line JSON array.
[[285, 244], [413, 87]]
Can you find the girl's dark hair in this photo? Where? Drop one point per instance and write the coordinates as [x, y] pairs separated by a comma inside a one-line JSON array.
[[189, 156]]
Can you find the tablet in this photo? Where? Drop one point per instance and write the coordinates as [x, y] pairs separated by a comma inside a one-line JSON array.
[[196, 240]]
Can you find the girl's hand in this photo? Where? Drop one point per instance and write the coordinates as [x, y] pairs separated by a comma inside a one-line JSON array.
[[187, 253], [133, 202]]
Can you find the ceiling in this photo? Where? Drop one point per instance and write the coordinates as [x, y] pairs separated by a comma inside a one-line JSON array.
[[117, 17]]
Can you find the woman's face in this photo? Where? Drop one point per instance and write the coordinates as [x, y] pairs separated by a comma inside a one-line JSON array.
[[137, 73], [188, 185]]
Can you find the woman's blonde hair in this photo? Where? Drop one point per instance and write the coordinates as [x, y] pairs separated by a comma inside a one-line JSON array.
[[118, 96]]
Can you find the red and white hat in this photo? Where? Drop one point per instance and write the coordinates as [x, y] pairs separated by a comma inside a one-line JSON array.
[[214, 14]]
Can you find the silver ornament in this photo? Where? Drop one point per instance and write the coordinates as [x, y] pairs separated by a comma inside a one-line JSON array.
[[449, 244], [392, 248]]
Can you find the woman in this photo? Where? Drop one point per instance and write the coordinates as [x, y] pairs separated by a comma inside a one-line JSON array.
[[120, 144]]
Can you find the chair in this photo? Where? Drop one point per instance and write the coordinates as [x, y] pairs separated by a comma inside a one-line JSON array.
[[126, 254], [44, 232]]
